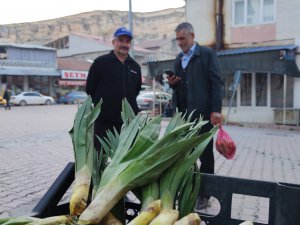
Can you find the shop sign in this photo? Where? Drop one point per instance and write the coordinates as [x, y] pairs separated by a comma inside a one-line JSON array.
[[74, 75], [71, 83]]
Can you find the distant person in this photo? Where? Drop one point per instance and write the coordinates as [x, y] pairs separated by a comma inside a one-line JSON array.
[[197, 87], [6, 96], [113, 77]]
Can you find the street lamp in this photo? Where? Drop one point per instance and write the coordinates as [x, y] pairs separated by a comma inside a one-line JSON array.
[[131, 52]]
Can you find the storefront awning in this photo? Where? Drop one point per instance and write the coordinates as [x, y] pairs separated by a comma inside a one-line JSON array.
[[273, 59], [29, 71], [157, 68]]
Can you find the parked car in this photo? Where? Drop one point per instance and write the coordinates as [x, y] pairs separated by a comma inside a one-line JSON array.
[[31, 98], [145, 88], [145, 100], [73, 97]]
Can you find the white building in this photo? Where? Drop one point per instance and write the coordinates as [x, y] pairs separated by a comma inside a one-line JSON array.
[[261, 39]]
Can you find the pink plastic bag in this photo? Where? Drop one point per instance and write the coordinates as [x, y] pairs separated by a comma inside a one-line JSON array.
[[225, 145]]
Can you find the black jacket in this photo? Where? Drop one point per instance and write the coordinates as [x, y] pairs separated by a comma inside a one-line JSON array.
[[111, 80], [200, 87], [7, 94]]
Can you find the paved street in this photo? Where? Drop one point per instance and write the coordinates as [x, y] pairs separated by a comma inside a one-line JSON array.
[[35, 146]]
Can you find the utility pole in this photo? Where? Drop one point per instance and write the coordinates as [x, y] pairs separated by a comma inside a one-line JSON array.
[[131, 52]]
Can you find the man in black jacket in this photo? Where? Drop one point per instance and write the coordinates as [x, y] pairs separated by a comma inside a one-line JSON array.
[[197, 87], [113, 77]]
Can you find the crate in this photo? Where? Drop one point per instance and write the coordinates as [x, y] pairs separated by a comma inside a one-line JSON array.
[[284, 198]]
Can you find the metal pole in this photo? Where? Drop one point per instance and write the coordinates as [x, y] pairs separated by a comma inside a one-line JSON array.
[[154, 98], [131, 52], [284, 100], [236, 82]]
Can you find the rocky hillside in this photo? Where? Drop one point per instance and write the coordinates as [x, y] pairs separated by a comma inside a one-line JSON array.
[[146, 26]]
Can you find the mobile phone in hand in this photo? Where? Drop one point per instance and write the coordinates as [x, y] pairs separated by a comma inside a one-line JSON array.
[[169, 73]]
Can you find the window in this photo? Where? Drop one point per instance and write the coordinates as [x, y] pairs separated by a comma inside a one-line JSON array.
[[268, 11], [239, 14], [248, 12], [151, 58], [277, 90], [253, 12], [261, 89], [228, 91], [246, 86]]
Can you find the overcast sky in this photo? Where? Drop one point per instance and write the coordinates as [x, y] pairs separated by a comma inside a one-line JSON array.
[[19, 11]]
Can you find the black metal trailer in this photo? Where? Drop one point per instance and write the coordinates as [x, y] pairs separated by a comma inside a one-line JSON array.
[[284, 198]]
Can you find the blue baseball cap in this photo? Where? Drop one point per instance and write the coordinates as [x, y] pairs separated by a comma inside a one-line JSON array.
[[123, 31]]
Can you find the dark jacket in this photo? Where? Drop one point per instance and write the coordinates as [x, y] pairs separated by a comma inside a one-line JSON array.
[[200, 87], [7, 95], [111, 80]]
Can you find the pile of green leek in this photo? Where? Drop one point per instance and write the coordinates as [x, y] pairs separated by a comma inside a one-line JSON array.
[[162, 169]]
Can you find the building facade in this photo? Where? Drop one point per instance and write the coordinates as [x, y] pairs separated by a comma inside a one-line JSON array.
[[26, 67], [88, 48], [258, 48], [58, 67]]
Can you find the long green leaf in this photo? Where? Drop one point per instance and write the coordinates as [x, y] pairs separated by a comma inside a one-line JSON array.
[[79, 134], [154, 164], [188, 191], [145, 138], [127, 137], [127, 113]]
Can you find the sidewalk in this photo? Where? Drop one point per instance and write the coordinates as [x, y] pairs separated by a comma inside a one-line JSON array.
[[35, 146]]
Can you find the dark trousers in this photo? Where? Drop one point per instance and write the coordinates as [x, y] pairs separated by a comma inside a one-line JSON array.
[[7, 106], [207, 157], [101, 128]]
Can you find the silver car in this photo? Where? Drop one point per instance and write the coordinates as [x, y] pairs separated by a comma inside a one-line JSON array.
[[31, 98], [145, 100]]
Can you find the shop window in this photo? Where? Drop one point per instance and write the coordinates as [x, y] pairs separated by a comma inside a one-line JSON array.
[[16, 83], [261, 89], [248, 12], [228, 90], [277, 89], [40, 84], [246, 86]]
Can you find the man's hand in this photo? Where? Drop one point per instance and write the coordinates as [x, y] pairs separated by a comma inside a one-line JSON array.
[[173, 79], [216, 118]]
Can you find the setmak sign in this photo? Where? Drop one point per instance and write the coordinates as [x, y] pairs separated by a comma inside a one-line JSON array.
[[74, 75]]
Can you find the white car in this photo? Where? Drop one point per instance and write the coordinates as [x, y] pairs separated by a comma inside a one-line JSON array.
[[145, 100], [31, 98]]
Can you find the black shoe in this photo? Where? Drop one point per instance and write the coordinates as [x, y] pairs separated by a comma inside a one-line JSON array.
[[202, 203]]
